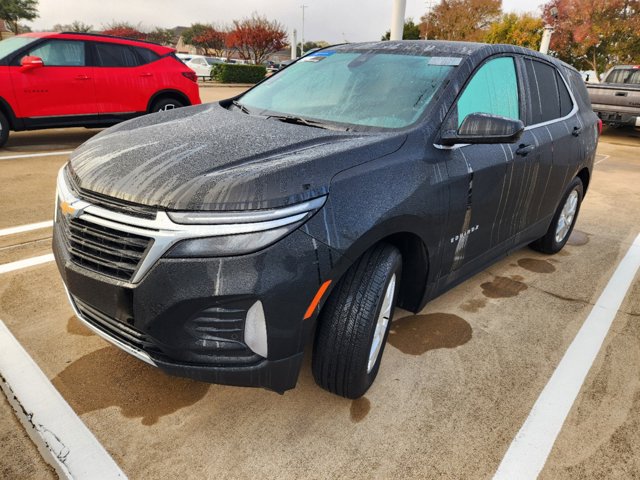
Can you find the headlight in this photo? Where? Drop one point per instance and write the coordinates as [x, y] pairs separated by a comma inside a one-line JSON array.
[[241, 232]]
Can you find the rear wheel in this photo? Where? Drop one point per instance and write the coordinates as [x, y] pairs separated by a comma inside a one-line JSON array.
[[563, 220], [4, 129], [166, 104], [354, 323]]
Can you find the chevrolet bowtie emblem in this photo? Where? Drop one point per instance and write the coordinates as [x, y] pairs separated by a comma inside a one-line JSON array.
[[69, 210]]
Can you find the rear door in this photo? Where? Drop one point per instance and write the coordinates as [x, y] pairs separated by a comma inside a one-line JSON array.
[[553, 131], [64, 86], [122, 82]]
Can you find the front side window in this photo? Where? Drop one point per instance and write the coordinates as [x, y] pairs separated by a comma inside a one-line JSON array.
[[114, 55], [60, 53], [492, 90], [371, 89]]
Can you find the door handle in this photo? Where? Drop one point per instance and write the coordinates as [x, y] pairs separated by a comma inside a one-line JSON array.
[[524, 150], [82, 77], [146, 74], [621, 94], [576, 131]]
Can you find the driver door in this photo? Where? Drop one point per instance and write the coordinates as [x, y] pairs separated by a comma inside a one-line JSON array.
[[481, 175], [63, 86]]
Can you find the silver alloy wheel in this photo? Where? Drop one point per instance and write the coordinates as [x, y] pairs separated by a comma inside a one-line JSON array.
[[167, 107], [381, 325], [567, 216]]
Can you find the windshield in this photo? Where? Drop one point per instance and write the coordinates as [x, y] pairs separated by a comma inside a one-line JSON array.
[[369, 89], [12, 44]]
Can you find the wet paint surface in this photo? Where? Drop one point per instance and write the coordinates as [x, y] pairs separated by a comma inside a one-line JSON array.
[[578, 238], [111, 378], [417, 334], [502, 287], [536, 265], [359, 409]]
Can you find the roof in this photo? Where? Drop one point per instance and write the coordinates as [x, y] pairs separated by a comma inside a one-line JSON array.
[[157, 48], [472, 50]]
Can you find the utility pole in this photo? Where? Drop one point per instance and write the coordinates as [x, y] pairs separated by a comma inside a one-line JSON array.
[[429, 7], [548, 31], [302, 44], [397, 19], [294, 44]]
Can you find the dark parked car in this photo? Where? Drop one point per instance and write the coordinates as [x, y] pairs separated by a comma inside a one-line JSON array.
[[216, 241]]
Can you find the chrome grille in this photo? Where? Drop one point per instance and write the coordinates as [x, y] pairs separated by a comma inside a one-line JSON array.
[[101, 249]]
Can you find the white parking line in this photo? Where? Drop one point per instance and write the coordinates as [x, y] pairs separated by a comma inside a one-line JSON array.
[[529, 450], [25, 228], [27, 262], [61, 437], [32, 155], [604, 157]]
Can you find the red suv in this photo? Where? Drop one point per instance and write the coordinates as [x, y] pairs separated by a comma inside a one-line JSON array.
[[87, 80]]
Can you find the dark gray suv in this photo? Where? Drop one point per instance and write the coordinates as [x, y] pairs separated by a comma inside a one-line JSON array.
[[216, 241]]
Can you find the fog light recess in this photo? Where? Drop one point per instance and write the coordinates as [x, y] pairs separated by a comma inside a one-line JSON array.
[[255, 330]]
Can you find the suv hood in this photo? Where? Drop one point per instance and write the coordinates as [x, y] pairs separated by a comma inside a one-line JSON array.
[[210, 158]]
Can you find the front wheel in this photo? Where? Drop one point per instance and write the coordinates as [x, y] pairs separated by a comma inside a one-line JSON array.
[[4, 129], [166, 104], [563, 220], [354, 323]]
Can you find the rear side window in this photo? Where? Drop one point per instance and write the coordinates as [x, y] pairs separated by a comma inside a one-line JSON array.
[[114, 55], [60, 53], [548, 94], [566, 105], [493, 90], [147, 55]]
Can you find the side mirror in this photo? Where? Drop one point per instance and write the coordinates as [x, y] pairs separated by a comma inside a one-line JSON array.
[[29, 62], [484, 128]]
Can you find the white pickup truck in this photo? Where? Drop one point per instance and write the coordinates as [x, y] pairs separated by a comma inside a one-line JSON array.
[[617, 99]]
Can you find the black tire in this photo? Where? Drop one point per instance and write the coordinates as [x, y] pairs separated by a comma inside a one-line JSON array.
[[4, 129], [347, 323], [548, 243], [165, 104]]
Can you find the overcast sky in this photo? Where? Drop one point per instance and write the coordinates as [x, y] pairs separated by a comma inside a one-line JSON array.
[[330, 20]]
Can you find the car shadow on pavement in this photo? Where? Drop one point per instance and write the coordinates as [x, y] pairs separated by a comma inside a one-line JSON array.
[[37, 141]]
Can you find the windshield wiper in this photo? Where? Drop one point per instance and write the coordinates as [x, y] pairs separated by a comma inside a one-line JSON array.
[[303, 121], [242, 108]]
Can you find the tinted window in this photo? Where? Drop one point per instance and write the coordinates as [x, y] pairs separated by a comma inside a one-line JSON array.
[[147, 55], [543, 90], [493, 90], [548, 93], [113, 55], [60, 53], [565, 99]]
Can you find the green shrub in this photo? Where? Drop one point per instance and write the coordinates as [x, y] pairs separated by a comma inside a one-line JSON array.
[[237, 73]]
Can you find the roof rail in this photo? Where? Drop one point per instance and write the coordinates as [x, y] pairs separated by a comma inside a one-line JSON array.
[[104, 35]]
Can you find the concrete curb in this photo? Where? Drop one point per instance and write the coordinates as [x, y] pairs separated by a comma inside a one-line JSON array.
[[62, 438]]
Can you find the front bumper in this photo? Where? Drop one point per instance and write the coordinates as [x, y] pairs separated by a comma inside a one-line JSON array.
[[187, 316]]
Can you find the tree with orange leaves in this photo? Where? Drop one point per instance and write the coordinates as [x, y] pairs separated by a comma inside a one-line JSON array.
[[256, 37], [595, 34], [460, 19]]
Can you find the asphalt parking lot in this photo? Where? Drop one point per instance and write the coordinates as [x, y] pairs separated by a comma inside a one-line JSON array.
[[456, 384]]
